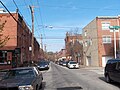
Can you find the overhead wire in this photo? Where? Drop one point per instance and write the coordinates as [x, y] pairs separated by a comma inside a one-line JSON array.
[[36, 30], [28, 10], [69, 7], [41, 17], [87, 8], [21, 13]]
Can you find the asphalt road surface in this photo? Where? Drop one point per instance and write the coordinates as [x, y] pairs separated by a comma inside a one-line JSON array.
[[62, 78]]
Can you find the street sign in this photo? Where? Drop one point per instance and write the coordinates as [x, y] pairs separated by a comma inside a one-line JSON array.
[[114, 27]]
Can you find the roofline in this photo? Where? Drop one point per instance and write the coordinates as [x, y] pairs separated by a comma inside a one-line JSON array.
[[107, 17], [7, 12]]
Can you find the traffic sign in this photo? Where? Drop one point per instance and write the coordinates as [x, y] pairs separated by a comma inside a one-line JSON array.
[[114, 27]]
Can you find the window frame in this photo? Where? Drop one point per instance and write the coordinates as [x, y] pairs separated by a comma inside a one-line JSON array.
[[106, 39], [105, 25]]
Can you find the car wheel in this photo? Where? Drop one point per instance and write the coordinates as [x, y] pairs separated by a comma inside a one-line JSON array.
[[108, 80]]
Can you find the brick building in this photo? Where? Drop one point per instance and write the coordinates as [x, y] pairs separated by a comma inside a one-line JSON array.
[[17, 49], [98, 40], [74, 47], [61, 55]]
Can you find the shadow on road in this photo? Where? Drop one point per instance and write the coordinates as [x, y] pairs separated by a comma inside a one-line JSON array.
[[43, 85], [112, 83], [69, 88]]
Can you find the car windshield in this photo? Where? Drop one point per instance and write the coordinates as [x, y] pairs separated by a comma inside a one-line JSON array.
[[73, 62], [42, 63], [20, 73], [64, 62]]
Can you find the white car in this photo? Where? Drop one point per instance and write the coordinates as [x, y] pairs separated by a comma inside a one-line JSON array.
[[73, 64]]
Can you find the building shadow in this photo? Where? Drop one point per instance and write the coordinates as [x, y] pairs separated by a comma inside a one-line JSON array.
[[69, 88], [112, 83]]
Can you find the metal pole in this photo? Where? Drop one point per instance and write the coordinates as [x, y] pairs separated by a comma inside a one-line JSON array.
[[114, 43]]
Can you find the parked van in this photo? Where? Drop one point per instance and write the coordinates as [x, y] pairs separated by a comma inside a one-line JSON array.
[[112, 70]]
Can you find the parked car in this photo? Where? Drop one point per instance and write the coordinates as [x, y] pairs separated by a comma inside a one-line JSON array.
[[73, 64], [60, 62], [43, 65], [22, 78], [64, 63], [112, 70]]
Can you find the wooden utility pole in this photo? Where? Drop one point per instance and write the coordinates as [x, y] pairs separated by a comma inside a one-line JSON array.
[[41, 42], [32, 43], [45, 48]]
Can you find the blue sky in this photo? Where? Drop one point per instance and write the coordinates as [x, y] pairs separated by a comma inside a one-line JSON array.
[[63, 15]]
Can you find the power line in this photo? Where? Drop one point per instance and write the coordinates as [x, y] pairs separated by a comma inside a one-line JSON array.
[[37, 20], [20, 12], [9, 12], [69, 7], [41, 17], [87, 8], [28, 11], [12, 15]]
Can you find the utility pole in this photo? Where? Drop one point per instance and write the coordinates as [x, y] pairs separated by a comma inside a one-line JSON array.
[[45, 48], [41, 42], [32, 43]]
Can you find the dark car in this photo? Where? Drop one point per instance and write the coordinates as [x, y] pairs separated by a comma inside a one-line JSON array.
[[23, 78], [43, 65], [112, 70], [64, 63]]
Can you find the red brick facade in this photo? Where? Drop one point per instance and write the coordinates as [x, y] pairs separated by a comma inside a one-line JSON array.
[[17, 47], [74, 48], [107, 49], [99, 40]]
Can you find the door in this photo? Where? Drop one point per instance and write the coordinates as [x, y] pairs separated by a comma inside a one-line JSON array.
[[88, 61]]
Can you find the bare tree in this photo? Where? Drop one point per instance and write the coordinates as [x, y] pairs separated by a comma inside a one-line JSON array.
[[3, 39]]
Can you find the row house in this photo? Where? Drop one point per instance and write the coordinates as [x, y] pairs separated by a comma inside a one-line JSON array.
[[16, 50], [61, 55], [99, 41], [74, 47]]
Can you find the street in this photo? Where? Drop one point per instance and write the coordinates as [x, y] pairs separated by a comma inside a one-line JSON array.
[[62, 78]]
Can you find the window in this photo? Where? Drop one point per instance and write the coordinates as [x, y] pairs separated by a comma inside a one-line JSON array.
[[3, 57], [106, 39], [118, 66], [85, 33], [105, 25], [86, 44]]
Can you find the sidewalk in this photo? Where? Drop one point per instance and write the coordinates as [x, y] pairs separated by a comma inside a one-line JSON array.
[[98, 70]]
